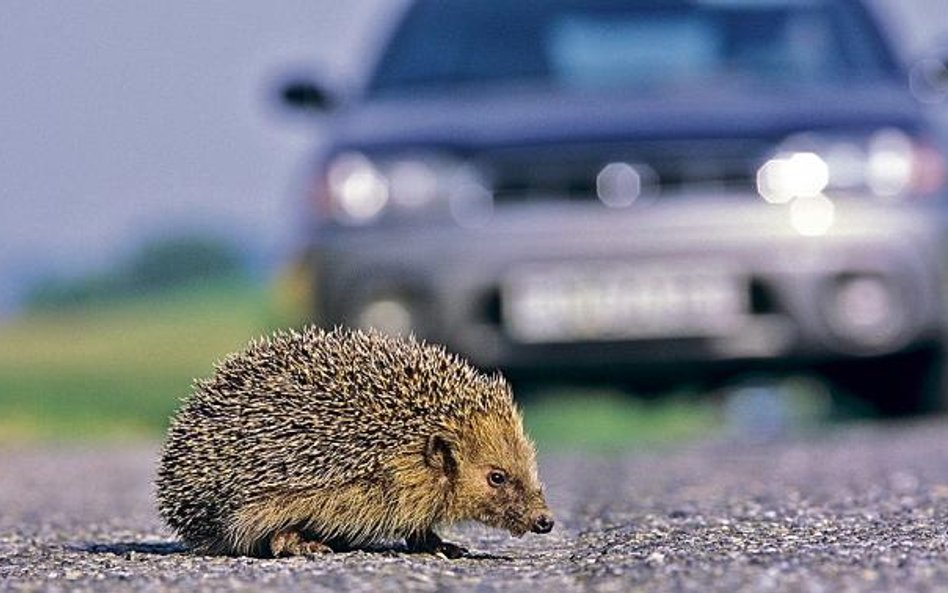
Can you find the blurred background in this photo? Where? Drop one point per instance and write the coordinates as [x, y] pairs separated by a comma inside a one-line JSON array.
[[153, 184]]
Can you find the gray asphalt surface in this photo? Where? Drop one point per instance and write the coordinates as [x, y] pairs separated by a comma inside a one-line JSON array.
[[857, 509]]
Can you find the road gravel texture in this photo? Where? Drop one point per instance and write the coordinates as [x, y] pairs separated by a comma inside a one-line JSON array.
[[861, 508]]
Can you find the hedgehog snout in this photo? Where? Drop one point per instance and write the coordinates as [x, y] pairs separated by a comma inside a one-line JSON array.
[[543, 523]]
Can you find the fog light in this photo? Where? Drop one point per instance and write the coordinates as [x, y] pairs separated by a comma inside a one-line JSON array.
[[389, 315], [866, 311]]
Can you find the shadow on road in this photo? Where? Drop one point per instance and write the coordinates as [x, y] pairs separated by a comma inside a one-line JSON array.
[[166, 548], [125, 548]]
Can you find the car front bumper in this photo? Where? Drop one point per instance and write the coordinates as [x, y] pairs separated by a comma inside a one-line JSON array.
[[870, 284]]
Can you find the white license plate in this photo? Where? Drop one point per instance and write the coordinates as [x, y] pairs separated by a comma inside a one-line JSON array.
[[568, 303]]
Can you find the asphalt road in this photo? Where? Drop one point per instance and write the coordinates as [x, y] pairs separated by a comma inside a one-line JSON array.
[[858, 509]]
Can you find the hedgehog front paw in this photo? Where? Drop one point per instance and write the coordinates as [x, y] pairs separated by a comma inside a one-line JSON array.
[[429, 543], [291, 543]]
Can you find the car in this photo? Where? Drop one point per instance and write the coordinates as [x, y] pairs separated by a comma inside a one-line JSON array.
[[646, 192]]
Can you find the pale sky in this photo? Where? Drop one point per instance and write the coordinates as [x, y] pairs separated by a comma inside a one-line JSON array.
[[123, 118]]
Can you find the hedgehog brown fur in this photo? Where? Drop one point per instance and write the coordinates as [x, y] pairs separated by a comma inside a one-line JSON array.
[[312, 441]]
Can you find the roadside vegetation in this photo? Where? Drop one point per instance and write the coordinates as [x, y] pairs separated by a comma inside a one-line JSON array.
[[98, 371], [106, 367]]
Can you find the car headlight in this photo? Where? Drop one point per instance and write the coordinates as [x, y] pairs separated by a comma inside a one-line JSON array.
[[887, 164], [358, 191], [361, 190]]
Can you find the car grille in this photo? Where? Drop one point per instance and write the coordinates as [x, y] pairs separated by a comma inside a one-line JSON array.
[[667, 168]]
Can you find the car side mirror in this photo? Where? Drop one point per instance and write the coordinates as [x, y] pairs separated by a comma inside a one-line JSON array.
[[929, 78], [306, 96]]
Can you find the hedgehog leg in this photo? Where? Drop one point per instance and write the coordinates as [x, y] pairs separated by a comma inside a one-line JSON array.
[[290, 542], [428, 542]]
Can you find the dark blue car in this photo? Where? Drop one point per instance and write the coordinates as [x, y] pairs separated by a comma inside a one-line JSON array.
[[644, 191]]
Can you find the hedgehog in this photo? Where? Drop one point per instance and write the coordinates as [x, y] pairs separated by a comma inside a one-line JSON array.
[[317, 440]]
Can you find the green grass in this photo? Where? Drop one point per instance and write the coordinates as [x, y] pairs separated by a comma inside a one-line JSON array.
[[117, 372], [107, 372], [608, 421]]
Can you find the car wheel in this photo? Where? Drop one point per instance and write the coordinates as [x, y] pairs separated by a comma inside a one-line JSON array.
[[903, 384]]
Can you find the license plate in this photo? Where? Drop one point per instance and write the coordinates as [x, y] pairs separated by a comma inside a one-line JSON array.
[[568, 303]]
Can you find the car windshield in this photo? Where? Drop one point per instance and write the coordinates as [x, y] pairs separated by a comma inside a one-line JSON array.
[[629, 44]]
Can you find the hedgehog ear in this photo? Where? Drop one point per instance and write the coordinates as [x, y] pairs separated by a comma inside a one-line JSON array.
[[440, 454]]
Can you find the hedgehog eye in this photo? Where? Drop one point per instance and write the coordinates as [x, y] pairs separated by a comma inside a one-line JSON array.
[[496, 478]]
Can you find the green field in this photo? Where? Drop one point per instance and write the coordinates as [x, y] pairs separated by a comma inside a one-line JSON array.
[[118, 371]]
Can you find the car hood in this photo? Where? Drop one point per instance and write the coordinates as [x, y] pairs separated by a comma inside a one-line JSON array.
[[478, 121]]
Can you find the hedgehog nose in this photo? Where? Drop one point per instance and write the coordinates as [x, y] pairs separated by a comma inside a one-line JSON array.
[[543, 524]]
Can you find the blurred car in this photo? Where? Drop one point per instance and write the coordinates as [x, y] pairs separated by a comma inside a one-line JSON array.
[[644, 191]]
